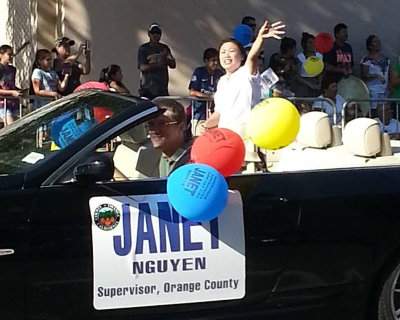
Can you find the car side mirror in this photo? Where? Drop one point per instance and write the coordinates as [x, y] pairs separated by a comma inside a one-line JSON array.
[[101, 169]]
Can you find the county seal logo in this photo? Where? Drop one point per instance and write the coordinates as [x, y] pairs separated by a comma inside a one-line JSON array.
[[106, 217]]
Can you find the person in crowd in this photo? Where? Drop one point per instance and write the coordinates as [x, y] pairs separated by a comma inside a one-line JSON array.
[[309, 86], [375, 69], [239, 89], [7, 86], [68, 63], [329, 91], [394, 81], [45, 81], [386, 121], [168, 134], [252, 23], [112, 76], [285, 65], [339, 60], [353, 111], [154, 59], [203, 85]]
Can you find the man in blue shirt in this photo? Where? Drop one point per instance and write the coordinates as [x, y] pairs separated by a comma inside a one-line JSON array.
[[203, 85]]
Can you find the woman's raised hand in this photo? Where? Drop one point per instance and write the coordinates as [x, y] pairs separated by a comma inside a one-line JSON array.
[[275, 30]]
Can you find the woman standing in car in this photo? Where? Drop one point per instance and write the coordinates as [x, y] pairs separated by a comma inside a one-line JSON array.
[[239, 89]]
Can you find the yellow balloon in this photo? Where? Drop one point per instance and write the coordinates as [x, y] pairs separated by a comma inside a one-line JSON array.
[[313, 66], [54, 147], [274, 123]]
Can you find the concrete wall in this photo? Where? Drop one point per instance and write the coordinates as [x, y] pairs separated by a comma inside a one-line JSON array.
[[117, 28]]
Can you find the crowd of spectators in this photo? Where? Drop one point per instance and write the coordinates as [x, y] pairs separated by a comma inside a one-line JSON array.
[[57, 72]]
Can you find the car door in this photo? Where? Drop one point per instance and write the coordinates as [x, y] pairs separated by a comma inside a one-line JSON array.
[[14, 254], [61, 282], [347, 231], [62, 238]]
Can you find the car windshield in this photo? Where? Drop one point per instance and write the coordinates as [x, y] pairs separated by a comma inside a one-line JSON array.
[[44, 132]]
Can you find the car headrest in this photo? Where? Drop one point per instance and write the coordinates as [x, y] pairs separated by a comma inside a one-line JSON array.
[[315, 130], [362, 137], [136, 135]]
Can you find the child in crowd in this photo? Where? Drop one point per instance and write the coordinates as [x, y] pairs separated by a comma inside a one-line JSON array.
[[309, 86], [45, 81], [7, 86], [112, 75], [203, 85], [239, 89]]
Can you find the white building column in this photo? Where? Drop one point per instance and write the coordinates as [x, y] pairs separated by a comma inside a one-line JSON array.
[[17, 26]]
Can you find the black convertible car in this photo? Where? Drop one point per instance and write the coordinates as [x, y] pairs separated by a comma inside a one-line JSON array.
[[86, 233]]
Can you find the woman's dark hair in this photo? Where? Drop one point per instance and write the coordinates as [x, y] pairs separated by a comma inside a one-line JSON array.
[[238, 44], [40, 55], [369, 40], [210, 53], [4, 48], [106, 74], [287, 44], [304, 39]]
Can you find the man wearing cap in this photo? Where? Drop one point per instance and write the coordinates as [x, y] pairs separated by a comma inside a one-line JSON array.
[[67, 63], [154, 58]]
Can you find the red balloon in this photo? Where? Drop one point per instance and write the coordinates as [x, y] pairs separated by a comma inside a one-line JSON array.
[[102, 113], [323, 42], [92, 85], [221, 149]]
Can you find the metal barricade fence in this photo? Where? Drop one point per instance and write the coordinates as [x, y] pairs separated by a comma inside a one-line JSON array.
[[24, 102], [355, 103], [315, 103], [190, 102], [320, 103]]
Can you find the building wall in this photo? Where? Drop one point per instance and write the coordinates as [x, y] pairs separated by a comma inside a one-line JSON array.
[[117, 28]]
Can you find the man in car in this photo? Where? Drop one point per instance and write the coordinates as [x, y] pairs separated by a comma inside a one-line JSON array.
[[168, 133]]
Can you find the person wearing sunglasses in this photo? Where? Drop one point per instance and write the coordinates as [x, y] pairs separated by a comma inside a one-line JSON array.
[[168, 133]]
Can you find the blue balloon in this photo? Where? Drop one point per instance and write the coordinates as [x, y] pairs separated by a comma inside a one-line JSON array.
[[66, 128], [197, 192]]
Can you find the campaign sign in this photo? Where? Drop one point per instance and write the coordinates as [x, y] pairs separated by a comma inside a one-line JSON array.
[[146, 254]]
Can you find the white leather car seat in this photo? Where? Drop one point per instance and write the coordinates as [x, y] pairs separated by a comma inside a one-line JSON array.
[[135, 157]]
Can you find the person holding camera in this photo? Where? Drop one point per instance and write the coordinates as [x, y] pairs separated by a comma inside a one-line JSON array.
[[67, 63], [154, 59]]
